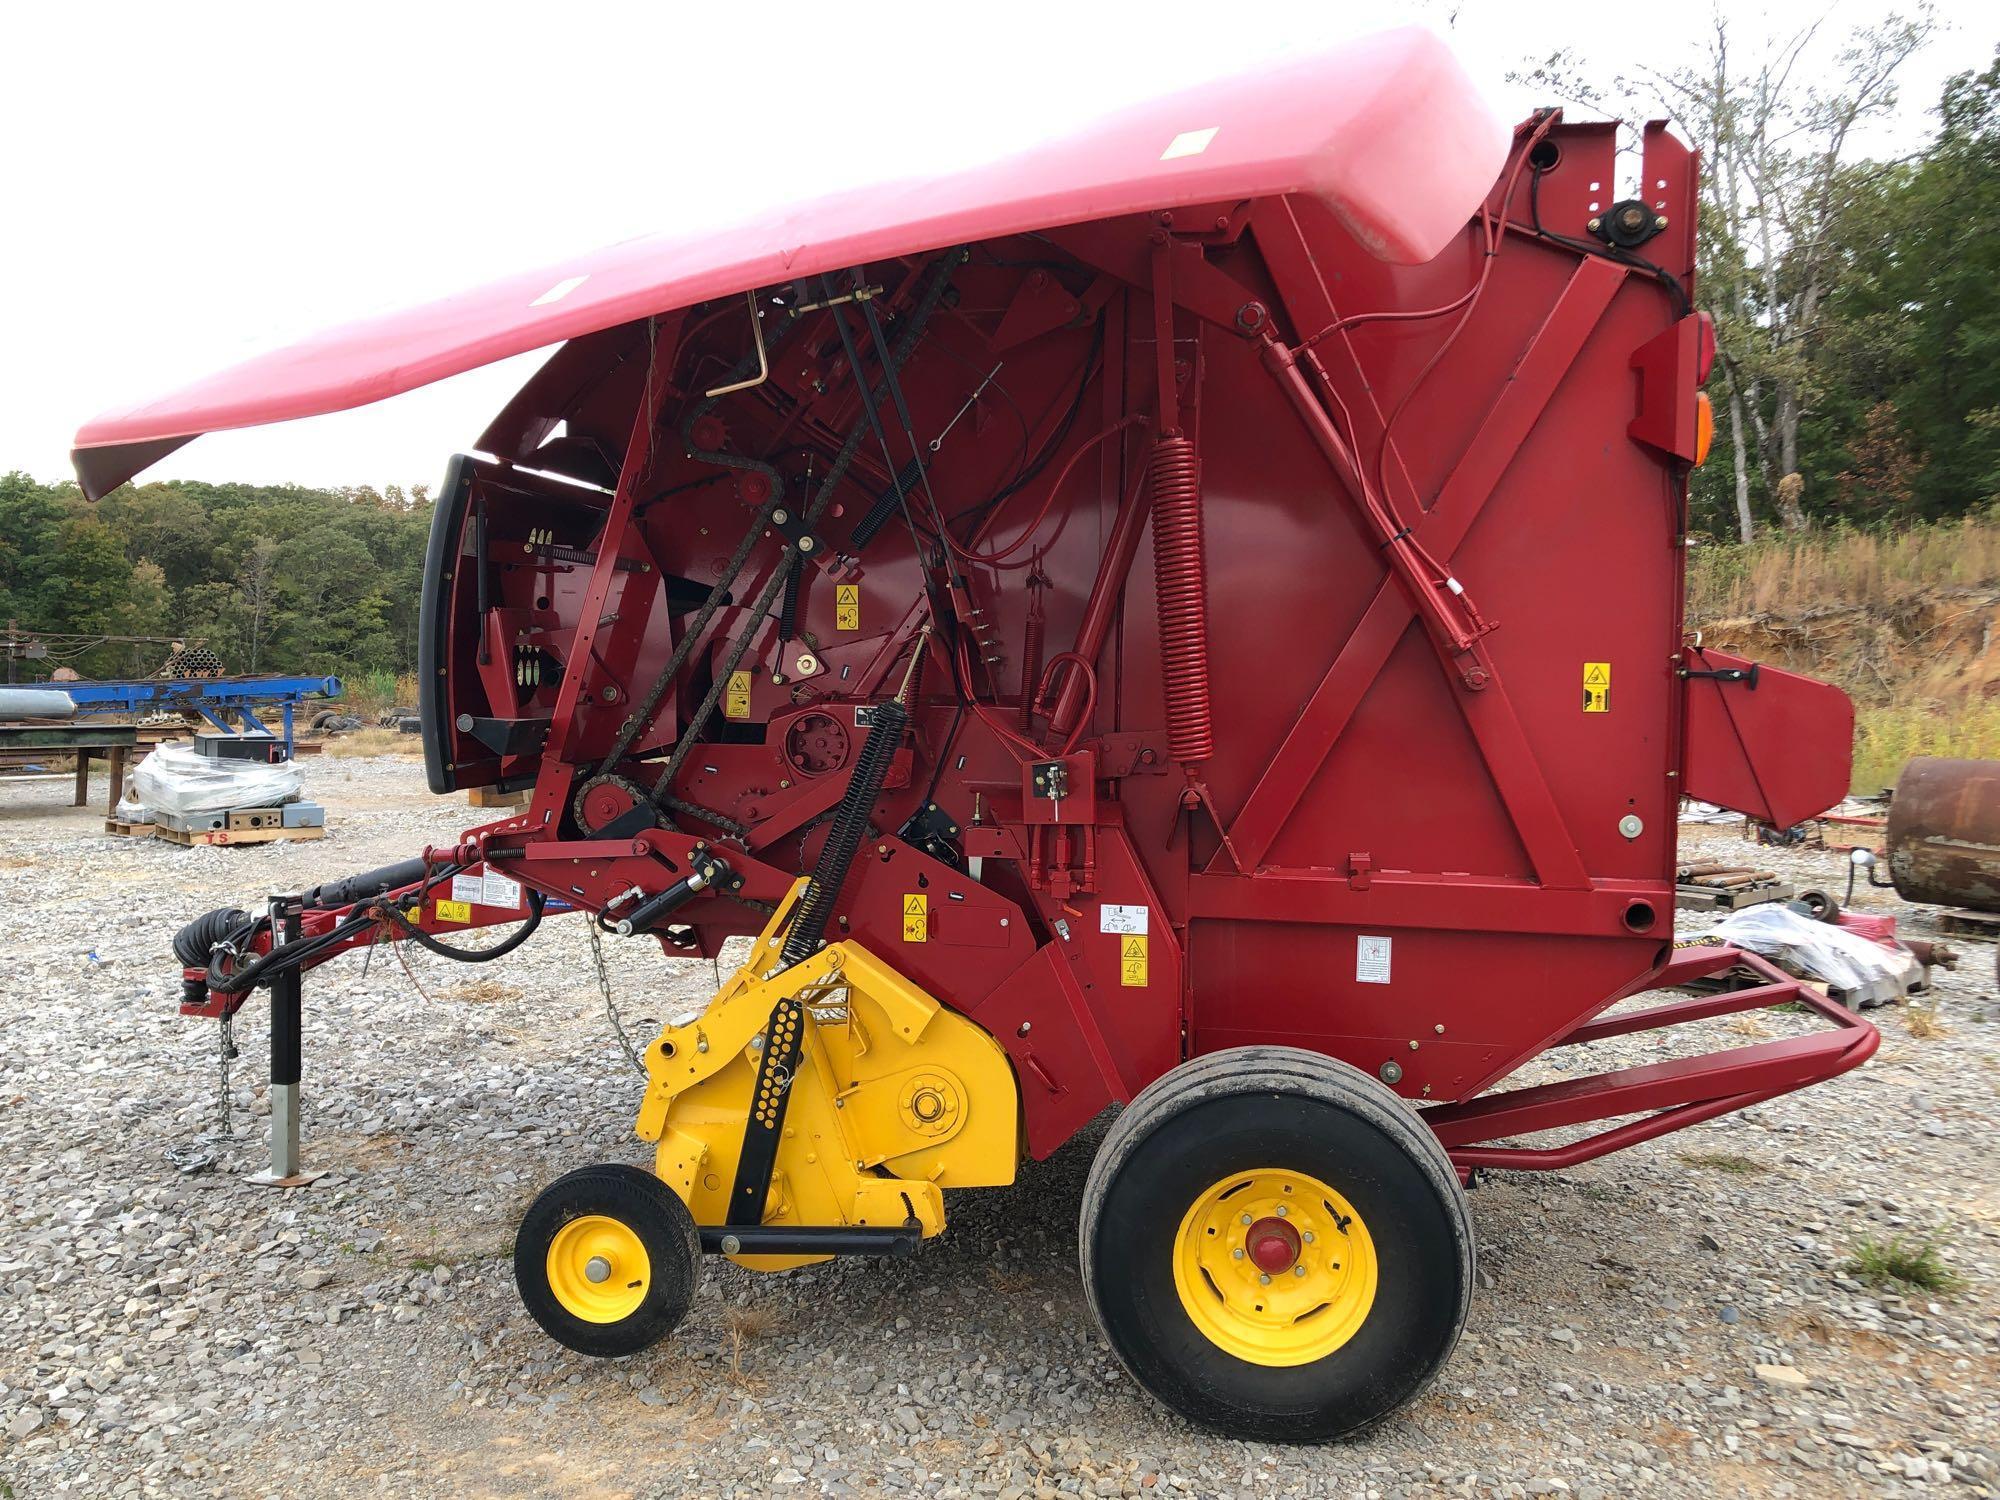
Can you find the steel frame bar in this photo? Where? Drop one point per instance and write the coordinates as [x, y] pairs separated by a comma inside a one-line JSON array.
[[1672, 1094]]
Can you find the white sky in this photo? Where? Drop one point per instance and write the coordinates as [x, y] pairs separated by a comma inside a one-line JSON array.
[[188, 184]]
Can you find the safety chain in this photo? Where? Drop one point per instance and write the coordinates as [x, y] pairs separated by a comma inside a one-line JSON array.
[[610, 1006], [224, 1051]]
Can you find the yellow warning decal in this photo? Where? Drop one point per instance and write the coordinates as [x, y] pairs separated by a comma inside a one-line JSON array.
[[454, 911], [847, 606], [1597, 687], [1132, 960], [916, 918], [736, 701]]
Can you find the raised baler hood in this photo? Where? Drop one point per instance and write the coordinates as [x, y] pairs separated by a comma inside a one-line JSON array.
[[1387, 130]]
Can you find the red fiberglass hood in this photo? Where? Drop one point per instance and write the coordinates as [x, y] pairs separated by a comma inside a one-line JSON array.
[[1388, 131]]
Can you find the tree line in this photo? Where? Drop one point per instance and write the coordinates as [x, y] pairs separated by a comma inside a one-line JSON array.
[[271, 577], [1857, 303], [1856, 298]]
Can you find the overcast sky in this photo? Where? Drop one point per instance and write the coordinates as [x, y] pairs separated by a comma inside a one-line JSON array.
[[188, 184]]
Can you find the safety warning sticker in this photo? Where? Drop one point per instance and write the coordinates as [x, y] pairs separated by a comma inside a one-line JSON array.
[[1597, 687], [1371, 960], [1132, 959], [916, 918], [847, 606], [454, 911], [736, 699]]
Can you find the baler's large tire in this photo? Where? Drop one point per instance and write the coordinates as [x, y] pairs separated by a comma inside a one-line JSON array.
[[1276, 1246], [607, 1260]]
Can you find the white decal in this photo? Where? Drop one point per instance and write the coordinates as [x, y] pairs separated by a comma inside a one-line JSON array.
[[500, 891], [1371, 960], [564, 287], [1189, 143], [1122, 919], [468, 888]]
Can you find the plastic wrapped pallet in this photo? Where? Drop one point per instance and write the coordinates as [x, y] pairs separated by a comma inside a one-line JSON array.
[[1866, 972], [178, 779]]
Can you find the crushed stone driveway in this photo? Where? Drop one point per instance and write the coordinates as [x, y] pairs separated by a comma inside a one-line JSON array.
[[167, 1328]]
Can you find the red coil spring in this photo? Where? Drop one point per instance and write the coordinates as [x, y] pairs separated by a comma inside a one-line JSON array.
[[1181, 578], [1031, 658]]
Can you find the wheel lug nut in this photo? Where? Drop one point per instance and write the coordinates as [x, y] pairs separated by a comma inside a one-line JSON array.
[[1309, 1236], [1298, 1270], [1239, 1255], [1246, 1218], [1281, 1210], [1264, 1278]]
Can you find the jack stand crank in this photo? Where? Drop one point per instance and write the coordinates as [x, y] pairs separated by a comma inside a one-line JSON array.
[[286, 1021]]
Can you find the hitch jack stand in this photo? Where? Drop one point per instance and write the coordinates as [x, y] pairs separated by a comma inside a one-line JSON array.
[[286, 1019]]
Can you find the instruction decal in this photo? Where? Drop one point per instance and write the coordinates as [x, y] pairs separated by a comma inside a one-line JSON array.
[[736, 700], [486, 890], [916, 918], [453, 911], [1122, 919], [847, 606], [1132, 960], [1597, 687], [1371, 959]]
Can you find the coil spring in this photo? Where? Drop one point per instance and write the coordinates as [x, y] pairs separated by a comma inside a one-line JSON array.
[[1031, 660], [843, 839], [1181, 579]]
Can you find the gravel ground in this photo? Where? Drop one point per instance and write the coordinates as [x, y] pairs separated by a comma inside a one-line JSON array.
[[185, 1333]]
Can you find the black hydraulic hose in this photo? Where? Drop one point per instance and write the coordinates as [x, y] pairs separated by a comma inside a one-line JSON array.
[[520, 935], [906, 342], [843, 840]]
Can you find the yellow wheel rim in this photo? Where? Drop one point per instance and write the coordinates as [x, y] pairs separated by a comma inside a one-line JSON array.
[[599, 1269], [1275, 1267]]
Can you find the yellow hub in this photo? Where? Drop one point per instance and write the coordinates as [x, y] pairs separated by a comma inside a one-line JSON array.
[[1275, 1267], [599, 1269]]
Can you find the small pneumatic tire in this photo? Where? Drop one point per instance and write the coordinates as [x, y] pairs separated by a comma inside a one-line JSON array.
[[607, 1260], [1276, 1246]]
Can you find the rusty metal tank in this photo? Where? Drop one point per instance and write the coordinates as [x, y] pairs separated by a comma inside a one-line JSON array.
[[1944, 833]]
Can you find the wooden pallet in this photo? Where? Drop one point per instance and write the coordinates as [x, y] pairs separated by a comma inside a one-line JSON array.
[[1962, 922], [236, 835], [128, 830], [1730, 898], [492, 796]]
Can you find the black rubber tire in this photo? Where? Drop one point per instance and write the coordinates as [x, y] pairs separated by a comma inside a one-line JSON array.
[[1817, 904], [1277, 1107], [655, 1213]]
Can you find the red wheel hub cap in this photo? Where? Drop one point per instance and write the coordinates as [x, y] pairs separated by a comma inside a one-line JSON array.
[[1273, 1245]]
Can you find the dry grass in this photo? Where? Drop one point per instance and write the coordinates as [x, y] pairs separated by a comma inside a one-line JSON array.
[[374, 742], [1920, 1019], [1907, 622], [1880, 570], [746, 1324], [483, 992], [1725, 1161]]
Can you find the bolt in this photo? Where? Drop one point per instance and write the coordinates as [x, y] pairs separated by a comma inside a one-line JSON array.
[[597, 1268], [1263, 1278], [1239, 1254], [1439, 1028], [1281, 1210], [1298, 1270], [731, 1244], [1246, 1218], [1308, 1237]]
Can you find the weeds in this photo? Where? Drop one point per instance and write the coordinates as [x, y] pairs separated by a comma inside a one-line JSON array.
[[1880, 570], [1920, 1019], [1724, 1161], [746, 1323], [1902, 1263], [373, 742]]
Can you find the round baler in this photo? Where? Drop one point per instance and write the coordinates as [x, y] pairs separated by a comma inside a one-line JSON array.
[[1189, 617]]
